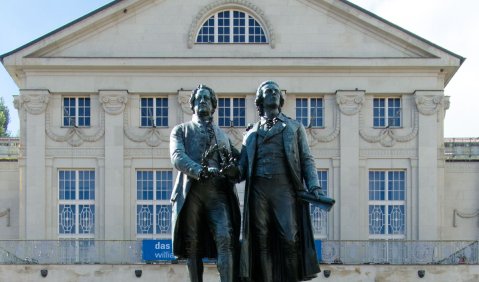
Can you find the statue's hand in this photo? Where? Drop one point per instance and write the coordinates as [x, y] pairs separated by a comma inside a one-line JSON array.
[[318, 192], [209, 172], [231, 171]]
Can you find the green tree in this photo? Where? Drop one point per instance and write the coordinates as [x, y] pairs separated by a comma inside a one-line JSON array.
[[4, 119]]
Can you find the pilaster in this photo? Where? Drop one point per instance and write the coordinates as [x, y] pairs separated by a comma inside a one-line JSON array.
[[33, 194], [349, 103], [429, 105], [113, 102]]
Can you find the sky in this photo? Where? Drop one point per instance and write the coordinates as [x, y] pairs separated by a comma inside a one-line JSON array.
[[451, 24]]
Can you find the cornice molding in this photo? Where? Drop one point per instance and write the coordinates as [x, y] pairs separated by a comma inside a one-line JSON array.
[[224, 4]]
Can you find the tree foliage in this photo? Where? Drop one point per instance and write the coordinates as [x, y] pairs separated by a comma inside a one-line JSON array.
[[4, 119]]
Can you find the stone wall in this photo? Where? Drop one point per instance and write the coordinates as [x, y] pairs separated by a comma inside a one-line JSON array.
[[177, 273]]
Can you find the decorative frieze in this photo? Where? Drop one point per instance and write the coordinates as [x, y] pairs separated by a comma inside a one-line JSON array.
[[206, 10], [350, 102], [235, 135], [77, 152], [317, 135], [34, 102], [113, 101], [75, 136], [387, 137], [152, 136]]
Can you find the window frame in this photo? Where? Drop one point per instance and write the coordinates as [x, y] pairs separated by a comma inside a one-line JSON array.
[[231, 34], [154, 118], [77, 118], [77, 203], [309, 109], [155, 203], [387, 202], [387, 116], [232, 117]]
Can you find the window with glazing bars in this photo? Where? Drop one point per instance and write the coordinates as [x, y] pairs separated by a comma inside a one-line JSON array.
[[76, 198], [387, 204], [319, 217], [387, 112], [153, 207], [231, 26], [154, 112], [231, 112], [310, 111], [76, 111]]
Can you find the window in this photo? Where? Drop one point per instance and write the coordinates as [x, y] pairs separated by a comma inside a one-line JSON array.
[[76, 111], [153, 209], [231, 112], [309, 111], [154, 112], [76, 212], [387, 112], [319, 217], [387, 194], [231, 26]]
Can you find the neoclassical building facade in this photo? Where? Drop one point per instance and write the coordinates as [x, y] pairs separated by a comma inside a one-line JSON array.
[[99, 96]]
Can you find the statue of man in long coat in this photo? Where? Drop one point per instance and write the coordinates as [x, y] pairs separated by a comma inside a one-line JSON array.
[[277, 243], [206, 216]]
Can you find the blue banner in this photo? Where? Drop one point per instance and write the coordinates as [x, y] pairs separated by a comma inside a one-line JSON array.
[[317, 244], [155, 250]]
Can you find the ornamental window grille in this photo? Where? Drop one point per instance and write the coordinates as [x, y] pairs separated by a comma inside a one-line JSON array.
[[310, 111], [231, 112], [76, 112], [387, 204], [231, 26], [319, 217], [387, 112], [154, 112], [76, 198], [153, 207]]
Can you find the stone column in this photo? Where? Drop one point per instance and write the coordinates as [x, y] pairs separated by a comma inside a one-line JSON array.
[[349, 103], [113, 102], [430, 105], [32, 105]]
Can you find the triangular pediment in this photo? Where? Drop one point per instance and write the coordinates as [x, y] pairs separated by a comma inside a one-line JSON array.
[[296, 29]]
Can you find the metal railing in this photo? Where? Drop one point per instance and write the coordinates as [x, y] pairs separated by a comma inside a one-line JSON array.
[[333, 252]]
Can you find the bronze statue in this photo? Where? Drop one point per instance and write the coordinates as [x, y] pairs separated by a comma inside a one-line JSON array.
[[206, 217], [277, 243]]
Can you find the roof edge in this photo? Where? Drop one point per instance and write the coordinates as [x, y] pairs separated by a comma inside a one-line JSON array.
[[461, 59], [104, 7]]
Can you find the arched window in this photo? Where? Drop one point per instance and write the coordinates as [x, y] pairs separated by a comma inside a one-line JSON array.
[[231, 26]]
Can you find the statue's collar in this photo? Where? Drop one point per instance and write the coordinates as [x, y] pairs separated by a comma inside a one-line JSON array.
[[199, 121]]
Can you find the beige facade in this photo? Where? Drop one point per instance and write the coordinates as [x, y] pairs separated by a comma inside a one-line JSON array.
[[327, 49]]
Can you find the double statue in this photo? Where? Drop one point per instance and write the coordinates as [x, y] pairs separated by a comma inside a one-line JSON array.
[[277, 240]]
